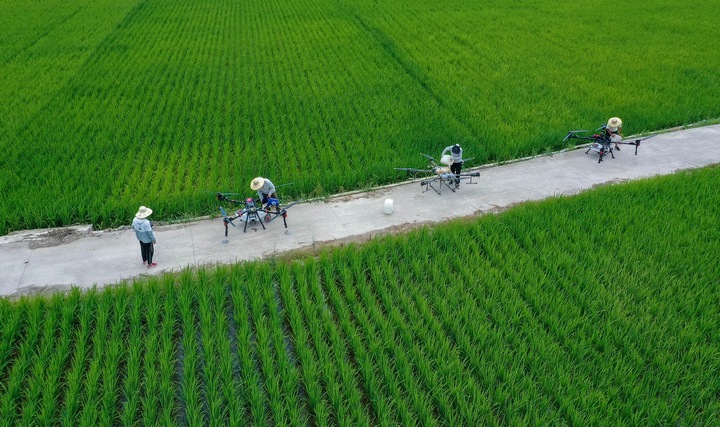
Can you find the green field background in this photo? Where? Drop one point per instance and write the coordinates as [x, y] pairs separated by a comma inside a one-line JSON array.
[[596, 310], [107, 105]]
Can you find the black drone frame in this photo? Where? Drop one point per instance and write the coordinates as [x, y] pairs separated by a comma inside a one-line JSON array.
[[606, 146], [445, 178], [252, 211]]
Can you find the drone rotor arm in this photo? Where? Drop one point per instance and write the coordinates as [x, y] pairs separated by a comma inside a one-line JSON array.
[[413, 170]]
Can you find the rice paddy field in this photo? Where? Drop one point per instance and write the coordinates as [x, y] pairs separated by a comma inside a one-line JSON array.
[[109, 105], [599, 309]]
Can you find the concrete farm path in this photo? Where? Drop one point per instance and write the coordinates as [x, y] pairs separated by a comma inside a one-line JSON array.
[[54, 259]]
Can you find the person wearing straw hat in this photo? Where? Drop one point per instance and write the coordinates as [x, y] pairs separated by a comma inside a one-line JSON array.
[[144, 233], [613, 131], [265, 189]]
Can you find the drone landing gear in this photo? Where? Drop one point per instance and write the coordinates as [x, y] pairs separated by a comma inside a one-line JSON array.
[[428, 184], [272, 216], [602, 151], [252, 216], [449, 182]]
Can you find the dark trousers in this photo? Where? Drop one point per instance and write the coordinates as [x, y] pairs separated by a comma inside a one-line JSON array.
[[456, 168], [147, 250]]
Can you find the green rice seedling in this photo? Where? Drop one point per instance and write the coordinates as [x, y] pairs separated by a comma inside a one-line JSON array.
[[74, 377], [364, 341], [395, 333], [251, 387], [262, 342], [168, 356], [12, 330], [37, 368], [13, 397], [130, 408], [285, 348], [231, 409], [320, 325], [116, 356], [347, 372], [151, 389], [190, 385], [286, 373], [90, 395], [50, 399], [306, 378], [211, 333], [302, 331]]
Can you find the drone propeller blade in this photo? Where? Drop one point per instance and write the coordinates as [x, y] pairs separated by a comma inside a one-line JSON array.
[[427, 157], [291, 204], [571, 134], [648, 137]]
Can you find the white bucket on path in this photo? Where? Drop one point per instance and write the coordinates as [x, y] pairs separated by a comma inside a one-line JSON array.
[[388, 209]]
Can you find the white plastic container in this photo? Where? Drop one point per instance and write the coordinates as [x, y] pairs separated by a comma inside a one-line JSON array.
[[388, 208], [446, 160]]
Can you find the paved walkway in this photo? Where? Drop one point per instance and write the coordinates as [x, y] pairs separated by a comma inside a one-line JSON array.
[[44, 260]]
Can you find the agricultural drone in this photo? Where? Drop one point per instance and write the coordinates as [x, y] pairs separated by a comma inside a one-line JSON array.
[[601, 142], [252, 211], [443, 175]]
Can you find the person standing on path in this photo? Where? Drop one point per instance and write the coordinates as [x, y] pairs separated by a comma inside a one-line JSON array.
[[457, 164], [144, 233]]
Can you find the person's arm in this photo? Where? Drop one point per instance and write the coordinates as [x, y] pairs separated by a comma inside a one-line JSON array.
[[271, 187], [147, 227]]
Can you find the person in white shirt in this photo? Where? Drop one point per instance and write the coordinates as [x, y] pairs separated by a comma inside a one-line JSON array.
[[456, 167]]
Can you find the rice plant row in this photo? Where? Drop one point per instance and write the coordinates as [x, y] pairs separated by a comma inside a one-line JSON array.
[[108, 105], [533, 316]]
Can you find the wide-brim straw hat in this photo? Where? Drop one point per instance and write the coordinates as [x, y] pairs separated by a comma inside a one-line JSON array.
[[614, 122], [143, 212], [257, 183]]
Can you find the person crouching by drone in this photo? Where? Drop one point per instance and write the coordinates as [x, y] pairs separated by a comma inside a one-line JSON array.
[[456, 167], [613, 131], [265, 190]]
